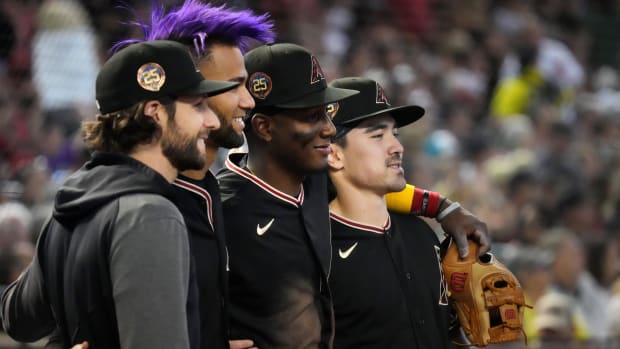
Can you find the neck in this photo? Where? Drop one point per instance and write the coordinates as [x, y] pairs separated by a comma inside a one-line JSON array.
[[211, 151], [151, 155], [272, 172], [359, 205]]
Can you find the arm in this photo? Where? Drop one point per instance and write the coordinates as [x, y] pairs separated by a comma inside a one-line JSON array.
[[459, 223], [149, 270], [26, 314]]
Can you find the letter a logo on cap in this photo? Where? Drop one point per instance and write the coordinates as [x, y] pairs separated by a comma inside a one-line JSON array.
[[317, 72], [381, 98]]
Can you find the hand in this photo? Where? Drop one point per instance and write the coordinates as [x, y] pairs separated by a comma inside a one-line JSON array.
[[462, 225], [83, 345], [242, 344]]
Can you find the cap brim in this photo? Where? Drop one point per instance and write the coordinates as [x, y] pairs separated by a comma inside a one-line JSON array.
[[209, 88], [403, 115], [315, 99]]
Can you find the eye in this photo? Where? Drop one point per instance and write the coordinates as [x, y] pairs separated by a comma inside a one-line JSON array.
[[317, 116], [377, 135], [395, 132], [201, 104]]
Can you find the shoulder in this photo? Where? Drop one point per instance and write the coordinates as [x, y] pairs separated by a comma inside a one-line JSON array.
[[230, 184], [147, 206], [413, 226]]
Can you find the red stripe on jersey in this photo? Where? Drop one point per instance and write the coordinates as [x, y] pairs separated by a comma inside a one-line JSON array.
[[362, 226], [297, 201], [200, 192]]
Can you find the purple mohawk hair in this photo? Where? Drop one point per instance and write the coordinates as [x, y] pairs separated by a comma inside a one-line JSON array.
[[194, 22]]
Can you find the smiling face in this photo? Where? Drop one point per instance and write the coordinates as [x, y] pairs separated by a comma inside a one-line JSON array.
[[185, 133], [300, 139], [225, 63], [371, 156]]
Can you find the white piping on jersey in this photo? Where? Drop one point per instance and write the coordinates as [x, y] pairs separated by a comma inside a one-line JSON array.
[[357, 225], [200, 192], [296, 201]]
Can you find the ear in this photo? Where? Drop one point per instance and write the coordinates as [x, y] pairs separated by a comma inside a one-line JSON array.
[[335, 159], [261, 126], [152, 109]]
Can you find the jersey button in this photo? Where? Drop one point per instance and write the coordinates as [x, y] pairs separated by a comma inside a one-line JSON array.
[[421, 323], [408, 276]]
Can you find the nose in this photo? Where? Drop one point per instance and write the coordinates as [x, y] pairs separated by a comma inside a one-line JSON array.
[[210, 121], [246, 101], [395, 145]]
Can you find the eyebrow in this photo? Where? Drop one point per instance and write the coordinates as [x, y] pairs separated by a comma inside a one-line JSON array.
[[375, 127], [239, 79]]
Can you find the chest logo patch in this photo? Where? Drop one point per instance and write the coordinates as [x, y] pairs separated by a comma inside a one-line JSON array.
[[347, 253], [262, 230]]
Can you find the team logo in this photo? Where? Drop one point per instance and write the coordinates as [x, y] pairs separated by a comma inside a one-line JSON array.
[[260, 85], [317, 72], [262, 230], [443, 286], [381, 98], [457, 282], [151, 77], [347, 253], [332, 109]]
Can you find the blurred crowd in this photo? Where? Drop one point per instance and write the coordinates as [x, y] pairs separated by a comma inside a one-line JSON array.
[[522, 124]]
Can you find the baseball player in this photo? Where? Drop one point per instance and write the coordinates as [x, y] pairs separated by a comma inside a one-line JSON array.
[[386, 280], [217, 38], [279, 250], [113, 264]]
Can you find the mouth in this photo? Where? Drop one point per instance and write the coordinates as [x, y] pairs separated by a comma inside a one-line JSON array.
[[239, 121], [202, 138], [324, 149], [396, 165]]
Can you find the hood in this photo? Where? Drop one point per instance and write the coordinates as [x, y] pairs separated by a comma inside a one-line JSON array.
[[104, 178]]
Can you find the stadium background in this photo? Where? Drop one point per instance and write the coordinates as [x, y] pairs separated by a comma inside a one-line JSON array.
[[522, 124]]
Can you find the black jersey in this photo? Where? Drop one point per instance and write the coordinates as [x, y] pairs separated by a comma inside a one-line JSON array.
[[387, 285], [280, 252], [199, 202]]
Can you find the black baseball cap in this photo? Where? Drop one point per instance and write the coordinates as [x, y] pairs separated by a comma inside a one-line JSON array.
[[288, 76], [371, 101], [151, 70]]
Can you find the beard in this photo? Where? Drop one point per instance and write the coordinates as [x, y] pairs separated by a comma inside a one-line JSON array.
[[182, 150], [226, 136]]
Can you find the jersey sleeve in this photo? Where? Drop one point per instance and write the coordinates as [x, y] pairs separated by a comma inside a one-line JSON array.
[[412, 200]]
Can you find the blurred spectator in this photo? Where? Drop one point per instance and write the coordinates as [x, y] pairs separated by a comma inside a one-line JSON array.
[[15, 224], [569, 277], [65, 37], [531, 267], [555, 319]]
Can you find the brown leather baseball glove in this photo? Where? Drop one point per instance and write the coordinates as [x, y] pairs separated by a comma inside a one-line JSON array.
[[486, 296]]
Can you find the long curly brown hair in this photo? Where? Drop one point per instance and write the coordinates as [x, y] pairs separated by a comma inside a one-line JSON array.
[[122, 131]]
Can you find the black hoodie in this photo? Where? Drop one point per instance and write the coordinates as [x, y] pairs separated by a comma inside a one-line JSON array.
[[112, 265]]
